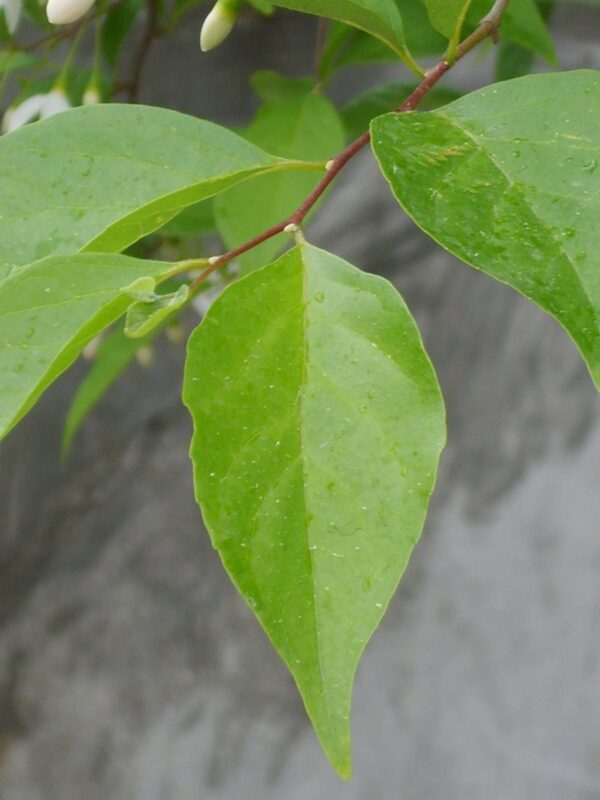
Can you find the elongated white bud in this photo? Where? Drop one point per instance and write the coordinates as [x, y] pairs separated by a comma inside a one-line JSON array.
[[91, 96], [37, 106], [63, 12], [219, 23]]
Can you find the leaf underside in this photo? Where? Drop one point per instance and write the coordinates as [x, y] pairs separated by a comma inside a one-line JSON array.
[[318, 428], [49, 311], [508, 180]]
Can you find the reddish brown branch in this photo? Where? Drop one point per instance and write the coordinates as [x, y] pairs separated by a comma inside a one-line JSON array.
[[488, 28]]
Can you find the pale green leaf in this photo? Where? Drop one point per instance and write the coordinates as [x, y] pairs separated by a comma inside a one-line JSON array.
[[508, 179], [297, 123], [115, 353], [102, 177], [318, 425], [49, 311]]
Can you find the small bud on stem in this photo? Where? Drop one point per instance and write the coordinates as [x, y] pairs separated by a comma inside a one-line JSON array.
[[219, 23]]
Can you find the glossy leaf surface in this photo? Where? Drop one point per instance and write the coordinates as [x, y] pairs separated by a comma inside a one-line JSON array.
[[102, 177], [508, 179], [318, 427]]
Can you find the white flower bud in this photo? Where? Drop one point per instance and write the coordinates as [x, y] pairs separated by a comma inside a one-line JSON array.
[[56, 101], [12, 13], [62, 12], [145, 356], [91, 96], [217, 25], [38, 105]]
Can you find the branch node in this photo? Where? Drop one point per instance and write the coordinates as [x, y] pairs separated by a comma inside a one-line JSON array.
[[292, 227]]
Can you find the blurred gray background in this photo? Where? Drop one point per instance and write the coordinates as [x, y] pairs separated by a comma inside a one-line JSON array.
[[131, 670]]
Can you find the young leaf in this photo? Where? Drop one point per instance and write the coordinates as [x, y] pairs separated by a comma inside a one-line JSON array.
[[49, 311], [146, 314], [99, 178], [115, 353], [508, 179], [300, 124], [318, 427], [380, 18]]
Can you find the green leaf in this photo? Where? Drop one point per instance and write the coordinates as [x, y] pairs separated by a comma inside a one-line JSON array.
[[447, 16], [508, 179], [299, 124], [14, 61], [346, 45], [114, 355], [102, 177], [318, 427], [194, 221], [147, 314], [49, 311], [380, 18], [522, 23], [512, 61], [359, 112], [118, 22]]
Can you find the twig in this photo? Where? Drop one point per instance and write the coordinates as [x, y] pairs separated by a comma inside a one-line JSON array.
[[64, 33], [151, 32], [487, 28]]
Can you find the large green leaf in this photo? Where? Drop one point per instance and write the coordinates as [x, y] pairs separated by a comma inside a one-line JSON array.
[[101, 177], [300, 124], [318, 427], [380, 18], [508, 179], [49, 311]]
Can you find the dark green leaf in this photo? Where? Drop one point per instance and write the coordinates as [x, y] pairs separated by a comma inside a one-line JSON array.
[[357, 115], [117, 23], [522, 24], [380, 18]]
